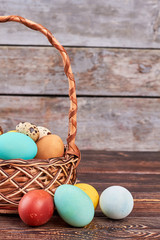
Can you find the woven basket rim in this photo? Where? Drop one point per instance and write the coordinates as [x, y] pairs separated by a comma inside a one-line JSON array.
[[43, 162]]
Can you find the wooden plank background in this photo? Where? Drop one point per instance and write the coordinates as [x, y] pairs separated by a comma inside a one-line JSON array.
[[111, 23], [114, 48]]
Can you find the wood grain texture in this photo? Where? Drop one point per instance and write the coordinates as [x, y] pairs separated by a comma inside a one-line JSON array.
[[98, 71], [103, 123], [100, 228], [120, 162], [132, 23], [142, 223]]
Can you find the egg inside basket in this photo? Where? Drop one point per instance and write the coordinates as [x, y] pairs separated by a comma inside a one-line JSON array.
[[18, 176]]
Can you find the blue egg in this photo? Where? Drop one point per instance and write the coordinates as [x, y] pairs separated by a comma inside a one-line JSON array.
[[116, 202], [74, 205], [15, 145]]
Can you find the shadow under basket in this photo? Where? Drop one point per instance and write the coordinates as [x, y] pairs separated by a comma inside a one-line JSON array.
[[18, 176]]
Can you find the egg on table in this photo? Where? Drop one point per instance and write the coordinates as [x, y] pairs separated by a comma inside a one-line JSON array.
[[73, 205], [14, 145], [50, 146], [116, 202], [29, 129], [91, 192]]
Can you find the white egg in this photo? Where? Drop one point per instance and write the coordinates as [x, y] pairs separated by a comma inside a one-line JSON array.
[[116, 202]]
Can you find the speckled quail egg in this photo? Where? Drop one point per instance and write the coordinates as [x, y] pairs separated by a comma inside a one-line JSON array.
[[43, 131], [28, 129], [1, 130]]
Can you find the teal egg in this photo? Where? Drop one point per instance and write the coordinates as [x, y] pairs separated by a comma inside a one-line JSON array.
[[116, 202], [73, 205], [15, 145]]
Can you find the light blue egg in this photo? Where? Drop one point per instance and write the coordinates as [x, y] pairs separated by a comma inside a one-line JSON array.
[[74, 205], [116, 202], [15, 145]]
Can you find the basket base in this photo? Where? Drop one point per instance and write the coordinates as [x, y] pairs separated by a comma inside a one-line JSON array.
[[8, 211]]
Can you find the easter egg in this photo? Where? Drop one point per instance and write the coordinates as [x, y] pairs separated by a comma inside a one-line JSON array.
[[43, 131], [15, 145], [73, 205], [91, 192], [28, 129], [36, 207], [116, 202], [50, 146]]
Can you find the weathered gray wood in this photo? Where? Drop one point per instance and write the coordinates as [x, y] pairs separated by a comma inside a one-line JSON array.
[[112, 23], [98, 71], [103, 123]]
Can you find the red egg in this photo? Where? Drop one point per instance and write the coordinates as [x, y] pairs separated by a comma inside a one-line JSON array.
[[36, 207]]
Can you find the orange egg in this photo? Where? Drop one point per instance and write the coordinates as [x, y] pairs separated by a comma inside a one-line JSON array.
[[50, 146]]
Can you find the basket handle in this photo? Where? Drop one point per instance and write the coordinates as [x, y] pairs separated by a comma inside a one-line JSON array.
[[72, 148]]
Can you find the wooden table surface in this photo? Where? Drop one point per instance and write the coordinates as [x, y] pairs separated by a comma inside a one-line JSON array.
[[139, 172]]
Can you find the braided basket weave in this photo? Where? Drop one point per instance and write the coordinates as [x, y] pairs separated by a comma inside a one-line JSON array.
[[18, 176]]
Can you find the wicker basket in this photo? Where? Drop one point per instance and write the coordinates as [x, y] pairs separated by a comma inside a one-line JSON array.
[[18, 176]]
